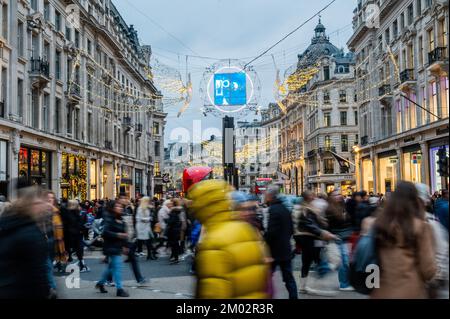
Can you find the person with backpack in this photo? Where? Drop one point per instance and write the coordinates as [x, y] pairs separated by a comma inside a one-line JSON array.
[[404, 247]]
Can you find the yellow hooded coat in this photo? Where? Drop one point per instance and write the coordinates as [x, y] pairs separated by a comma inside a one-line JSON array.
[[231, 257]]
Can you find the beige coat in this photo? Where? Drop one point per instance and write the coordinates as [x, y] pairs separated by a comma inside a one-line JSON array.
[[405, 271]]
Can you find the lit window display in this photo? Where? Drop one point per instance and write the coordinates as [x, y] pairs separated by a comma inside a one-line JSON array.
[[34, 167], [367, 174], [74, 177], [412, 167], [387, 167], [93, 179]]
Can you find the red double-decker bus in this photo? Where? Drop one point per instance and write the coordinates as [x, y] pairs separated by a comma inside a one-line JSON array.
[[261, 185]]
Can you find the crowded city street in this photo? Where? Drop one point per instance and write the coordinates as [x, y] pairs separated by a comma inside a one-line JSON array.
[[215, 150]]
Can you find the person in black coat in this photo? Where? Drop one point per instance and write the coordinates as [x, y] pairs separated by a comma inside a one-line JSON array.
[[174, 228], [73, 232], [23, 251], [115, 242], [278, 237]]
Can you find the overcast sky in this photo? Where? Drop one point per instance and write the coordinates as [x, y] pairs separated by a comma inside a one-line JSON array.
[[230, 29]]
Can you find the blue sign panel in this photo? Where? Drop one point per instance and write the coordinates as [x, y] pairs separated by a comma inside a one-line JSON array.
[[230, 89]]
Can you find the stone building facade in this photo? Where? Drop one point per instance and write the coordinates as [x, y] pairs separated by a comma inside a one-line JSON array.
[[403, 97], [79, 113], [320, 121]]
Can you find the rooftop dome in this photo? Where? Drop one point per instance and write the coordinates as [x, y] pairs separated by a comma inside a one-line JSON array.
[[320, 46]]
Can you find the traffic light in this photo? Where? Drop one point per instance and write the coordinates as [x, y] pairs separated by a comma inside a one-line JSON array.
[[442, 162]]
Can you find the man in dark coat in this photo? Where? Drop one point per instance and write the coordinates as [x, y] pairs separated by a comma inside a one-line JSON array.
[[23, 252], [278, 237]]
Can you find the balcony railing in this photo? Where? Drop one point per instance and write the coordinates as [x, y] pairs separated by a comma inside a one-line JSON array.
[[384, 90], [74, 92], [364, 140], [437, 55], [2, 108], [139, 128], [40, 67], [328, 171], [407, 75], [327, 149]]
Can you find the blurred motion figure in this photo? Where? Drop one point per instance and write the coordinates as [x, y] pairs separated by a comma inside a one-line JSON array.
[[231, 257]]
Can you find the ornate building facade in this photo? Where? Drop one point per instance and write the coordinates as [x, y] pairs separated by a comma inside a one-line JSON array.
[[319, 127], [79, 113], [403, 97]]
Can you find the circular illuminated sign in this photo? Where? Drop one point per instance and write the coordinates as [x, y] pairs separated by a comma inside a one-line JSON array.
[[229, 88]]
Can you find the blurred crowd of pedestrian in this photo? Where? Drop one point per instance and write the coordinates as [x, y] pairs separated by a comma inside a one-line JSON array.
[[236, 242]]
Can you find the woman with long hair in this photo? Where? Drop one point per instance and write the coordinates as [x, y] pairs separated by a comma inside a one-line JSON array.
[[143, 227], [404, 246]]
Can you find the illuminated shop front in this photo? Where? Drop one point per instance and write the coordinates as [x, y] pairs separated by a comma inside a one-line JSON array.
[[73, 176], [126, 181], [34, 167], [367, 175], [387, 170], [93, 180], [412, 162], [437, 181]]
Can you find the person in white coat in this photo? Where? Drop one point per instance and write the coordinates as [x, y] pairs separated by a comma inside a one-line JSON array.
[[143, 228]]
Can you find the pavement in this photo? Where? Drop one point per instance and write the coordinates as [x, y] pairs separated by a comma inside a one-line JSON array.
[[167, 281]]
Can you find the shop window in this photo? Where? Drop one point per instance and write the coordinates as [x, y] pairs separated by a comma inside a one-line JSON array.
[[34, 167], [367, 175], [412, 167], [74, 176], [93, 179], [388, 174]]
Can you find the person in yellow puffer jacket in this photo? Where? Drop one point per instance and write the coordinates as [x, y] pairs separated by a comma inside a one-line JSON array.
[[231, 256]]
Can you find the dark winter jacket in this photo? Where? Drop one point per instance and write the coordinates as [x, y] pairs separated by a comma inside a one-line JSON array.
[[113, 243], [351, 206], [73, 223], [279, 231], [363, 210], [339, 221], [441, 211], [23, 259], [174, 225]]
